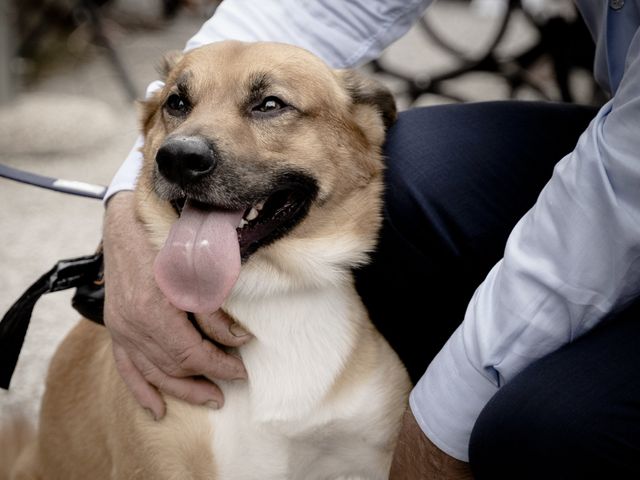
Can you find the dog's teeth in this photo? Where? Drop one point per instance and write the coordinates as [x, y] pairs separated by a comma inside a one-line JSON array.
[[243, 222], [258, 206], [252, 215]]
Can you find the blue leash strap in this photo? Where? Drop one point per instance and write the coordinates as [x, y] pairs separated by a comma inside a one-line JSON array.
[[72, 187]]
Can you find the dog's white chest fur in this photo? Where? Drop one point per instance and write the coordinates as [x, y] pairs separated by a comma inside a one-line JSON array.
[[314, 407], [247, 449]]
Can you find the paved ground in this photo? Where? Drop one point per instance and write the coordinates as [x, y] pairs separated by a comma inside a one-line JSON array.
[[76, 123]]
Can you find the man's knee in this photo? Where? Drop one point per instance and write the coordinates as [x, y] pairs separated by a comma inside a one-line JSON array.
[[470, 171], [426, 165], [513, 438], [537, 427]]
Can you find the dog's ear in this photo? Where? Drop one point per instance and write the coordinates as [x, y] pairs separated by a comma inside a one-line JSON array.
[[169, 61], [147, 110], [151, 105], [364, 90]]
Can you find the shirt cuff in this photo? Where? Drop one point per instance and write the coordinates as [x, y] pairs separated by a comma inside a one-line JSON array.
[[127, 175], [449, 397]]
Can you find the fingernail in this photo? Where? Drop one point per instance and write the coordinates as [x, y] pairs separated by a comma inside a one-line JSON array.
[[212, 404], [237, 330]]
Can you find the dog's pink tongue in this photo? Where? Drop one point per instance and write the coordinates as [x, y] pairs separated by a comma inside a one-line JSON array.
[[200, 260]]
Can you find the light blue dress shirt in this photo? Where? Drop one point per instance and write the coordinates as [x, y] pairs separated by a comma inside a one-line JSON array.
[[571, 260]]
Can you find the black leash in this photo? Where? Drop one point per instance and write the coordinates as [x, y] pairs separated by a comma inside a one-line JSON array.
[[57, 184], [85, 274]]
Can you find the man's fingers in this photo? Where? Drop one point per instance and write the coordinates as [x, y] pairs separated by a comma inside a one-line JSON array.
[[178, 350], [210, 361], [193, 355], [219, 326], [147, 396], [196, 391], [193, 390]]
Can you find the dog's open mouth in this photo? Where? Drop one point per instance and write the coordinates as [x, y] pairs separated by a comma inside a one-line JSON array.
[[200, 261], [263, 221], [271, 218]]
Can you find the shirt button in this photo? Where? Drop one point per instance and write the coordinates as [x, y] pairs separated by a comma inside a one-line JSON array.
[[616, 4]]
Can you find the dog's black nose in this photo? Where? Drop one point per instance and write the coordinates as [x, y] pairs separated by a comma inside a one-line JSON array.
[[183, 160]]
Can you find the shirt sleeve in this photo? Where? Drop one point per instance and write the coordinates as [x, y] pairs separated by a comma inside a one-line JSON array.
[[571, 260], [344, 35]]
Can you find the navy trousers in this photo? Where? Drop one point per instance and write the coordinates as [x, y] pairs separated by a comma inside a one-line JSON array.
[[458, 179]]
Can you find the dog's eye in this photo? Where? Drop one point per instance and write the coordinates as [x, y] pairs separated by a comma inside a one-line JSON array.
[[269, 104], [177, 105]]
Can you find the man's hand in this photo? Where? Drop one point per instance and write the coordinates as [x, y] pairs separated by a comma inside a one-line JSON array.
[[416, 458], [154, 343]]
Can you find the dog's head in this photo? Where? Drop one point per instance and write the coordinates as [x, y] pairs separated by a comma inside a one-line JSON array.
[[266, 144]]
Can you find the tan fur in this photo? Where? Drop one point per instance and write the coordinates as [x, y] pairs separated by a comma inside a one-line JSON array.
[[91, 427], [16, 443]]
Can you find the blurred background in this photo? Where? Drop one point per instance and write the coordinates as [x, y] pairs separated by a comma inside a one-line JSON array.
[[70, 71]]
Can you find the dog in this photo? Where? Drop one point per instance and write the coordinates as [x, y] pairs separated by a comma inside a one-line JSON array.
[[261, 188]]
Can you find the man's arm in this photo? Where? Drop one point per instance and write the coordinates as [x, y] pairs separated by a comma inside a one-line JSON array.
[[416, 457], [573, 258]]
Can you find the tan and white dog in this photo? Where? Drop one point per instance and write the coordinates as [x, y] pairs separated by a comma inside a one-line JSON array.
[[261, 189]]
